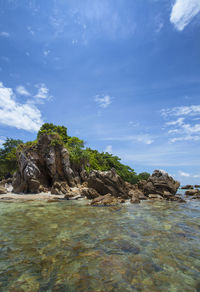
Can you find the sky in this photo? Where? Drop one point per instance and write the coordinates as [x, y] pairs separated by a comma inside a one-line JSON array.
[[123, 75]]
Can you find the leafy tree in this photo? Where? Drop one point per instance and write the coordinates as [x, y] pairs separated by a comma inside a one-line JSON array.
[[52, 129], [143, 176], [8, 160], [105, 161]]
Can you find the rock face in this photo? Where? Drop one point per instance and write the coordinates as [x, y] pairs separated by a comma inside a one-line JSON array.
[[3, 190], [160, 183], [105, 182], [44, 166]]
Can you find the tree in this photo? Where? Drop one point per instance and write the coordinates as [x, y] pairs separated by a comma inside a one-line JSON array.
[[49, 128], [8, 160], [143, 176]]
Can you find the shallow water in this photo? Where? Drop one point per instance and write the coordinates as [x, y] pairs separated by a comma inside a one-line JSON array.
[[69, 246]]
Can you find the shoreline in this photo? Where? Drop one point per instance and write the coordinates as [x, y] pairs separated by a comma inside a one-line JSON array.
[[30, 197]]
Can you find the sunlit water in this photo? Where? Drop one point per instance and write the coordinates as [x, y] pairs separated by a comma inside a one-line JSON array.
[[69, 246]]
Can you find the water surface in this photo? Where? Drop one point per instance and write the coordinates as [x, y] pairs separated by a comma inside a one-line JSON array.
[[69, 246]]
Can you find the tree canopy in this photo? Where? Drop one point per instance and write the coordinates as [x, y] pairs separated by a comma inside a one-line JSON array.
[[8, 160]]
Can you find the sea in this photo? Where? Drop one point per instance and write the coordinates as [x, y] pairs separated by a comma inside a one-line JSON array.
[[70, 246]]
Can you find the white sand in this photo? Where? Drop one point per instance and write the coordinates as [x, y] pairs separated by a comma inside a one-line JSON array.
[[30, 197]]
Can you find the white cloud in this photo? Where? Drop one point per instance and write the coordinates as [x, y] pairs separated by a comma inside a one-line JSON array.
[[181, 111], [184, 127], [143, 138], [22, 116], [185, 174], [108, 149], [177, 122], [43, 91], [4, 34], [183, 11], [103, 101], [22, 90], [185, 138]]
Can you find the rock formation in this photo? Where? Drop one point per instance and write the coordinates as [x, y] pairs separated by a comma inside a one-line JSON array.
[[45, 166], [160, 183], [193, 194]]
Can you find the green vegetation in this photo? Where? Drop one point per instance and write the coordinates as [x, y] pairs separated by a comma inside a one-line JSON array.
[[52, 129], [80, 156], [8, 160]]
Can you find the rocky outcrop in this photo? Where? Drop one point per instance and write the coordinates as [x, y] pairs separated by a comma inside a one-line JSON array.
[[44, 165], [193, 194], [187, 187], [105, 182], [107, 200], [159, 183], [3, 190]]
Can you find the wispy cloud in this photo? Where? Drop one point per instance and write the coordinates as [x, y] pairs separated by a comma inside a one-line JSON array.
[[92, 19], [190, 175], [22, 90], [4, 34], [103, 101], [181, 111], [183, 11], [22, 116], [142, 138], [185, 174], [184, 127], [43, 91]]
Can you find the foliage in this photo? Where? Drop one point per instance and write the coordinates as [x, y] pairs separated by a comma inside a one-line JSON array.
[[52, 129], [56, 140], [27, 145], [8, 160], [143, 176], [105, 161], [79, 156], [87, 158]]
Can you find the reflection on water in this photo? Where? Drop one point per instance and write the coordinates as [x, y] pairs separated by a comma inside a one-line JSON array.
[[68, 246]]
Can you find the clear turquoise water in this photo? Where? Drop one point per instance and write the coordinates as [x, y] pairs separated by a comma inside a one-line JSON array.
[[68, 246]]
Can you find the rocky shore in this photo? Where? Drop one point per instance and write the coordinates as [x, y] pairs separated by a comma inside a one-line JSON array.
[[45, 169]]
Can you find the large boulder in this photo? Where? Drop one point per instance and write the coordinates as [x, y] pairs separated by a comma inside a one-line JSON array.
[[160, 183], [192, 192], [107, 200], [105, 182], [43, 164]]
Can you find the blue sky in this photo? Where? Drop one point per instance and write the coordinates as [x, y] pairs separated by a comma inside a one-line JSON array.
[[124, 75]]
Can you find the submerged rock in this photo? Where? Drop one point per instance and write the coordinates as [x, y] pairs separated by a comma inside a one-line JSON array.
[[107, 200], [194, 194]]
